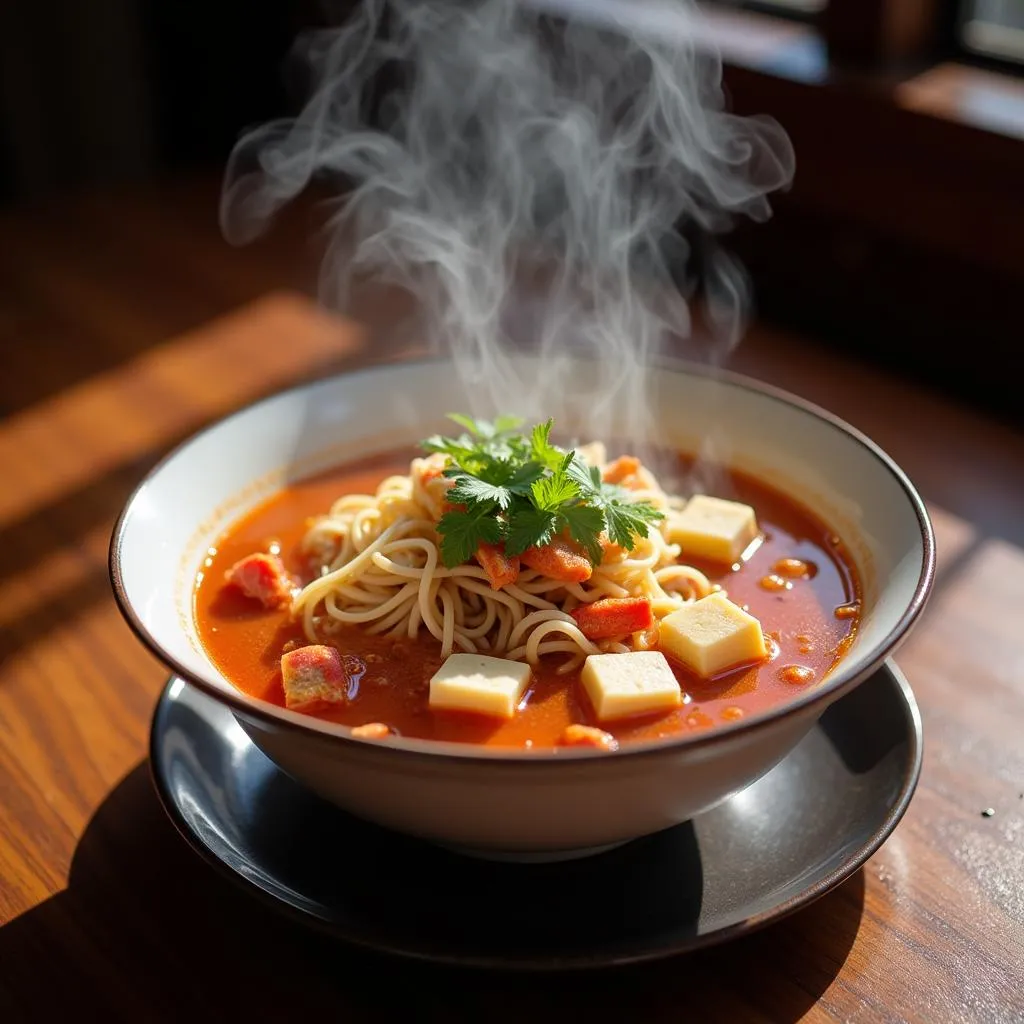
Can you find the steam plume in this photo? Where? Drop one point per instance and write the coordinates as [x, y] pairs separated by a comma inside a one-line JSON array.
[[530, 181]]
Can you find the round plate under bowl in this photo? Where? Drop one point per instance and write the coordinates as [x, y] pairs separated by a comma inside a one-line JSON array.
[[771, 849]]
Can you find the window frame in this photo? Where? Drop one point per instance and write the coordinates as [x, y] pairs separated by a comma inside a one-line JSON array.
[[862, 30], [954, 22]]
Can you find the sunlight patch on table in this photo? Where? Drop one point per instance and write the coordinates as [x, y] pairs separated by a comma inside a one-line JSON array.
[[143, 406]]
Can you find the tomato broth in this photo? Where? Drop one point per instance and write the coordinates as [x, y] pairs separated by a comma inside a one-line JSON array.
[[800, 583]]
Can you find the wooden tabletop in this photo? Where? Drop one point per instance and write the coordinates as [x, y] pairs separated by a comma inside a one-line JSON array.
[[124, 326]]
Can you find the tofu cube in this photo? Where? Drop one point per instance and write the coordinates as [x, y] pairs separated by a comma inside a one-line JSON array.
[[313, 676], [712, 635], [713, 528], [476, 682], [635, 683]]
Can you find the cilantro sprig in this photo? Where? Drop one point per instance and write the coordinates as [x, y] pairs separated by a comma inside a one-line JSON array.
[[521, 490]]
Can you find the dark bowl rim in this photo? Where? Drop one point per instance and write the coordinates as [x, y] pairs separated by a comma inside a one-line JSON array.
[[439, 750]]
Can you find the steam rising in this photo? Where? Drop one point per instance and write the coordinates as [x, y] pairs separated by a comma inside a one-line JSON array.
[[533, 183]]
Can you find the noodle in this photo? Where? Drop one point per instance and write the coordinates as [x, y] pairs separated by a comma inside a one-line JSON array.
[[381, 569]]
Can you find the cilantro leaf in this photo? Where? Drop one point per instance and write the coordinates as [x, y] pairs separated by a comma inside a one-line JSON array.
[[629, 520], [522, 480], [541, 448], [585, 524], [588, 478], [476, 461], [528, 527], [550, 492], [479, 428], [506, 424], [469, 489], [503, 472], [462, 531], [521, 489], [615, 492], [508, 447], [485, 430], [449, 446]]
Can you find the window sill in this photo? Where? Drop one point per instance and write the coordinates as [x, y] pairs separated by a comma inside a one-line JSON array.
[[969, 96]]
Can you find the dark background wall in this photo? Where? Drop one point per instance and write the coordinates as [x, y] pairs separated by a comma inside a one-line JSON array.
[[116, 90], [902, 240]]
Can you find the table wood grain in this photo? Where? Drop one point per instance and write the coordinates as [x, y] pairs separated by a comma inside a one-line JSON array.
[[114, 349]]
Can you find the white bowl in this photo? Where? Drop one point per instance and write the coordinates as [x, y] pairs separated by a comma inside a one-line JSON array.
[[500, 802]]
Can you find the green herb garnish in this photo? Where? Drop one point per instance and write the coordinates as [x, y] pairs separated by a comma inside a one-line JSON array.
[[521, 490]]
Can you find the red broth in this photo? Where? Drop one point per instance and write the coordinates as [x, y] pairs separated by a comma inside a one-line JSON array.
[[800, 584]]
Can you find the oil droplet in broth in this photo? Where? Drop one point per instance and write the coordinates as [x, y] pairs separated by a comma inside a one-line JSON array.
[[797, 675], [795, 569]]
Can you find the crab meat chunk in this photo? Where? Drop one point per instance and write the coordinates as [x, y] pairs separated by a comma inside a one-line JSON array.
[[587, 736], [313, 677], [263, 577]]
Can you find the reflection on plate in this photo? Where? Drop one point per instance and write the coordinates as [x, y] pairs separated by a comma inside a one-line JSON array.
[[771, 849]]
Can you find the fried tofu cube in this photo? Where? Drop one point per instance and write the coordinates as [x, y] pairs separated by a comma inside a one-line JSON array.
[[713, 528], [712, 635], [479, 683], [313, 677], [634, 683]]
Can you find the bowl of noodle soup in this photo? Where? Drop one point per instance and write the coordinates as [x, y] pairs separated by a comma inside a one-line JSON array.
[[335, 474]]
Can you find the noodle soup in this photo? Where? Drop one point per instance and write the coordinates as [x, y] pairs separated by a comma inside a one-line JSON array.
[[392, 635]]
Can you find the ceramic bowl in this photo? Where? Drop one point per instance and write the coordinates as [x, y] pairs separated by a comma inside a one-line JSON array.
[[518, 803]]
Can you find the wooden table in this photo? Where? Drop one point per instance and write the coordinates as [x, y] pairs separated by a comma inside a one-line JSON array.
[[107, 915]]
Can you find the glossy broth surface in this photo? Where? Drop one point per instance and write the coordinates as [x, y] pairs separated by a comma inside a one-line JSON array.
[[799, 583]]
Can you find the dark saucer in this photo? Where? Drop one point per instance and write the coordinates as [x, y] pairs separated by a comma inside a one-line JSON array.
[[796, 833]]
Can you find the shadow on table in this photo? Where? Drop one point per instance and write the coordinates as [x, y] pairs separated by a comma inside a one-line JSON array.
[[146, 931]]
